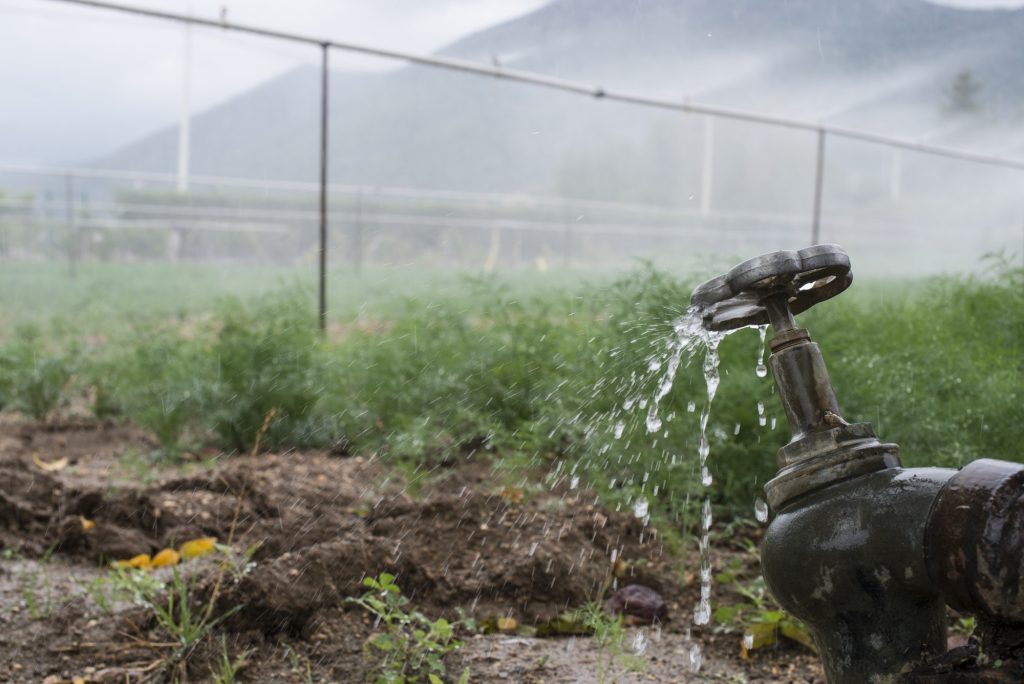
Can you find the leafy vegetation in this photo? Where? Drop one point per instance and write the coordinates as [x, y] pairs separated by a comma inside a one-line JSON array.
[[548, 381], [411, 646], [32, 377], [610, 638]]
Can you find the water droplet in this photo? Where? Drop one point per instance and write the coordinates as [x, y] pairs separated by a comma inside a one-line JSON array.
[[641, 508], [762, 420], [653, 421], [654, 365], [761, 370], [575, 482], [773, 422], [760, 510], [748, 641], [736, 429], [533, 549], [696, 657], [640, 642], [705, 476], [702, 613], [691, 407], [619, 428], [704, 448], [706, 518]]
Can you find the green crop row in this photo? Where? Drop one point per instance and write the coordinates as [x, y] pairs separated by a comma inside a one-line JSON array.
[[544, 381]]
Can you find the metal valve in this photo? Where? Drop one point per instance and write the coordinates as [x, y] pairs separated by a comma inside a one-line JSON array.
[[770, 289]]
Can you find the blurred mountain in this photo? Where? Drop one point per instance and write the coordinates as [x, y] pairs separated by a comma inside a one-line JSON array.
[[885, 65]]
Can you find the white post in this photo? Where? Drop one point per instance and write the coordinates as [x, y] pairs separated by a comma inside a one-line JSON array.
[[185, 118], [707, 165], [896, 175]]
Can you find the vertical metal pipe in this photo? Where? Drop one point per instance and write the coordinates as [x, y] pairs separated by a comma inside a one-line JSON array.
[[322, 311], [819, 183], [896, 175], [707, 168], [566, 238], [357, 234], [69, 219], [185, 118]]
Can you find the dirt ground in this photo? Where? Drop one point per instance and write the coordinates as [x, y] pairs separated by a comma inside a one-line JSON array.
[[317, 524]]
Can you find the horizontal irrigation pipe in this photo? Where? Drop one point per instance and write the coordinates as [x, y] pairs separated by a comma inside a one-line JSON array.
[[568, 86], [516, 200], [171, 212]]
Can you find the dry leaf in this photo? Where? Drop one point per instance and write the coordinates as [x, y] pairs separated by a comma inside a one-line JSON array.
[[59, 464], [165, 558], [507, 624], [198, 547], [86, 523]]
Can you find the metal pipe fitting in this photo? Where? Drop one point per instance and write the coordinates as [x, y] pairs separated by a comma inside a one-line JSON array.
[[864, 551], [974, 542]]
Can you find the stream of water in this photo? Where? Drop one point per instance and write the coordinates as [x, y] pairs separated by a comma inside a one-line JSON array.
[[691, 338]]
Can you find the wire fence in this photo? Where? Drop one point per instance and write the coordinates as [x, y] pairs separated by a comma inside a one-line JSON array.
[[907, 210]]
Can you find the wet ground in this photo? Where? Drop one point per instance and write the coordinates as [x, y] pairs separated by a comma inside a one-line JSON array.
[[304, 529]]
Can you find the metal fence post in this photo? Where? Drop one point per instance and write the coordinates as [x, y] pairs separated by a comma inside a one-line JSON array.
[[566, 238], [322, 311], [819, 183], [357, 234], [69, 221], [707, 167], [896, 175]]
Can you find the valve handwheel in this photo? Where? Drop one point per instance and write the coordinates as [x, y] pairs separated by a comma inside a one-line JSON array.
[[801, 278]]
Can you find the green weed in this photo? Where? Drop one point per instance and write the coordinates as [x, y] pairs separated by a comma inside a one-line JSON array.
[[610, 638], [227, 668], [412, 647], [266, 361], [32, 377]]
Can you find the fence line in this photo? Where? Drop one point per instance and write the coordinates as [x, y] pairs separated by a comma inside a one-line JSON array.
[[820, 128]]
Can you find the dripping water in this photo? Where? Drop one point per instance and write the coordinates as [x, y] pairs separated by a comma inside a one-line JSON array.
[[761, 370]]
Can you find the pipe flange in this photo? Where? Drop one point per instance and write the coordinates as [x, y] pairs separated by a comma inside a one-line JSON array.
[[844, 460], [807, 276]]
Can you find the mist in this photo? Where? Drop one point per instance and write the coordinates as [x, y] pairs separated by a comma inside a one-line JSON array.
[[451, 170]]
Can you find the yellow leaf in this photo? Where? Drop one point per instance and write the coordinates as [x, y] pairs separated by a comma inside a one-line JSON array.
[[141, 561], [758, 635], [78, 680], [50, 467], [86, 523], [165, 558], [512, 494], [198, 547], [798, 633], [507, 624]]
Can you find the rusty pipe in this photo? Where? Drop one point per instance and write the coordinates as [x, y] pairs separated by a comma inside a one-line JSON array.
[[974, 541]]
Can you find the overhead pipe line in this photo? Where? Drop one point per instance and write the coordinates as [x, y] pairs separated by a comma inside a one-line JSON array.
[[565, 85]]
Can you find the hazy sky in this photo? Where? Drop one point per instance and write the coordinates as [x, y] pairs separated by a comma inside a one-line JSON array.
[[79, 82]]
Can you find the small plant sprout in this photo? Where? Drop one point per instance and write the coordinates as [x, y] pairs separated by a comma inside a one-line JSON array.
[[411, 646]]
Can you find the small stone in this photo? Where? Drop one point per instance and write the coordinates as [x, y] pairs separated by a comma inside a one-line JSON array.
[[639, 604]]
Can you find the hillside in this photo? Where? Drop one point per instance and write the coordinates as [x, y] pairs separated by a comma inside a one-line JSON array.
[[880, 64]]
